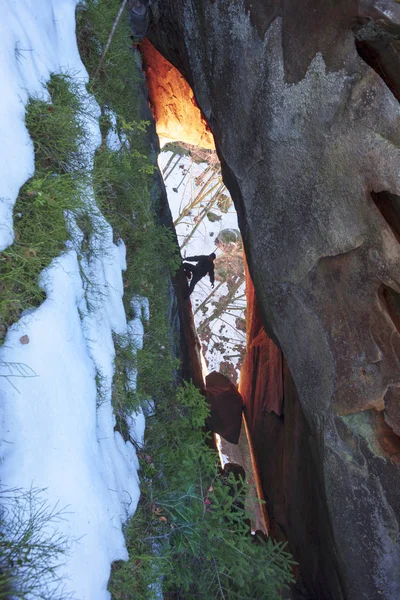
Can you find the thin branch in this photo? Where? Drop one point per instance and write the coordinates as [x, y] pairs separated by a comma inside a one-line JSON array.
[[166, 175], [224, 302], [110, 37], [203, 193], [208, 297], [203, 213], [165, 169], [219, 581]]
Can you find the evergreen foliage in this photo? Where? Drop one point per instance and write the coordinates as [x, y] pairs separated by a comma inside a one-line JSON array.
[[31, 549], [191, 532]]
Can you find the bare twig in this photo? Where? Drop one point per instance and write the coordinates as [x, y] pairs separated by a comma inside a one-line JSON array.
[[208, 297], [165, 169], [15, 369], [110, 37], [203, 193], [224, 302], [219, 580], [166, 175], [203, 213]]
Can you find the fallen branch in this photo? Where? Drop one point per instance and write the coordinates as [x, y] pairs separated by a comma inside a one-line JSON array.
[[223, 303], [208, 297]]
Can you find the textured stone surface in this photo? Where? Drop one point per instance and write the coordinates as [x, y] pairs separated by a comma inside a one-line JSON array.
[[308, 136], [173, 105]]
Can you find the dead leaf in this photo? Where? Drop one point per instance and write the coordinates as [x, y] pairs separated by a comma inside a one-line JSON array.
[[30, 252], [24, 339]]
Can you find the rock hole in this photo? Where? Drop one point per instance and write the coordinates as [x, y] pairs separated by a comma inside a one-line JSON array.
[[391, 301], [378, 44], [388, 205]]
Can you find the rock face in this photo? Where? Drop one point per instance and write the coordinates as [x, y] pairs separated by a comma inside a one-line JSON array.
[[175, 111], [306, 125]]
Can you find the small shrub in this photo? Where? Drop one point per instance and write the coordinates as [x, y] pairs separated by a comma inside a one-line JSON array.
[[124, 397], [31, 548], [190, 534]]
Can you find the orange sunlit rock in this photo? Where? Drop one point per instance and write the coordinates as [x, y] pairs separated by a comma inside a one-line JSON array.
[[174, 107], [261, 374]]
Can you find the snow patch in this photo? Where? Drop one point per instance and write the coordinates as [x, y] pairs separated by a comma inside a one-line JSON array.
[[54, 432]]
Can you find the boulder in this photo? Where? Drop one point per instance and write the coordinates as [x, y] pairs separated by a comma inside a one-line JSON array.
[[138, 17], [226, 405], [306, 123]]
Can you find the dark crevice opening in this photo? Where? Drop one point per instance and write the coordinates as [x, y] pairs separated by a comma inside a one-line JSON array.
[[391, 302], [378, 44], [388, 205], [387, 423]]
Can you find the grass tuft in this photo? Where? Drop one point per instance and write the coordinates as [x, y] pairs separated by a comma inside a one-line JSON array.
[[45, 201]]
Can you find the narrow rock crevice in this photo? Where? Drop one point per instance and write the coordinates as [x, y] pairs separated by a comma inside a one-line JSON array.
[[388, 205], [391, 302], [286, 452], [303, 96], [378, 44]]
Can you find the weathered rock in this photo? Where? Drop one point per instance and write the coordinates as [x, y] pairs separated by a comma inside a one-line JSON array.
[[174, 107], [308, 136], [138, 17], [226, 405]]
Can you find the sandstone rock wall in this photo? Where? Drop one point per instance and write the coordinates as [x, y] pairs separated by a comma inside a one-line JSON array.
[[287, 459], [308, 135], [174, 108]]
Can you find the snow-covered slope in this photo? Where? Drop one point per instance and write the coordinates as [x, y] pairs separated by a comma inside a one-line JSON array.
[[52, 435]]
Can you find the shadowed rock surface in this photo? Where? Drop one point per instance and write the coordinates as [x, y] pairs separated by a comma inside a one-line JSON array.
[[308, 136], [226, 405], [174, 108]]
